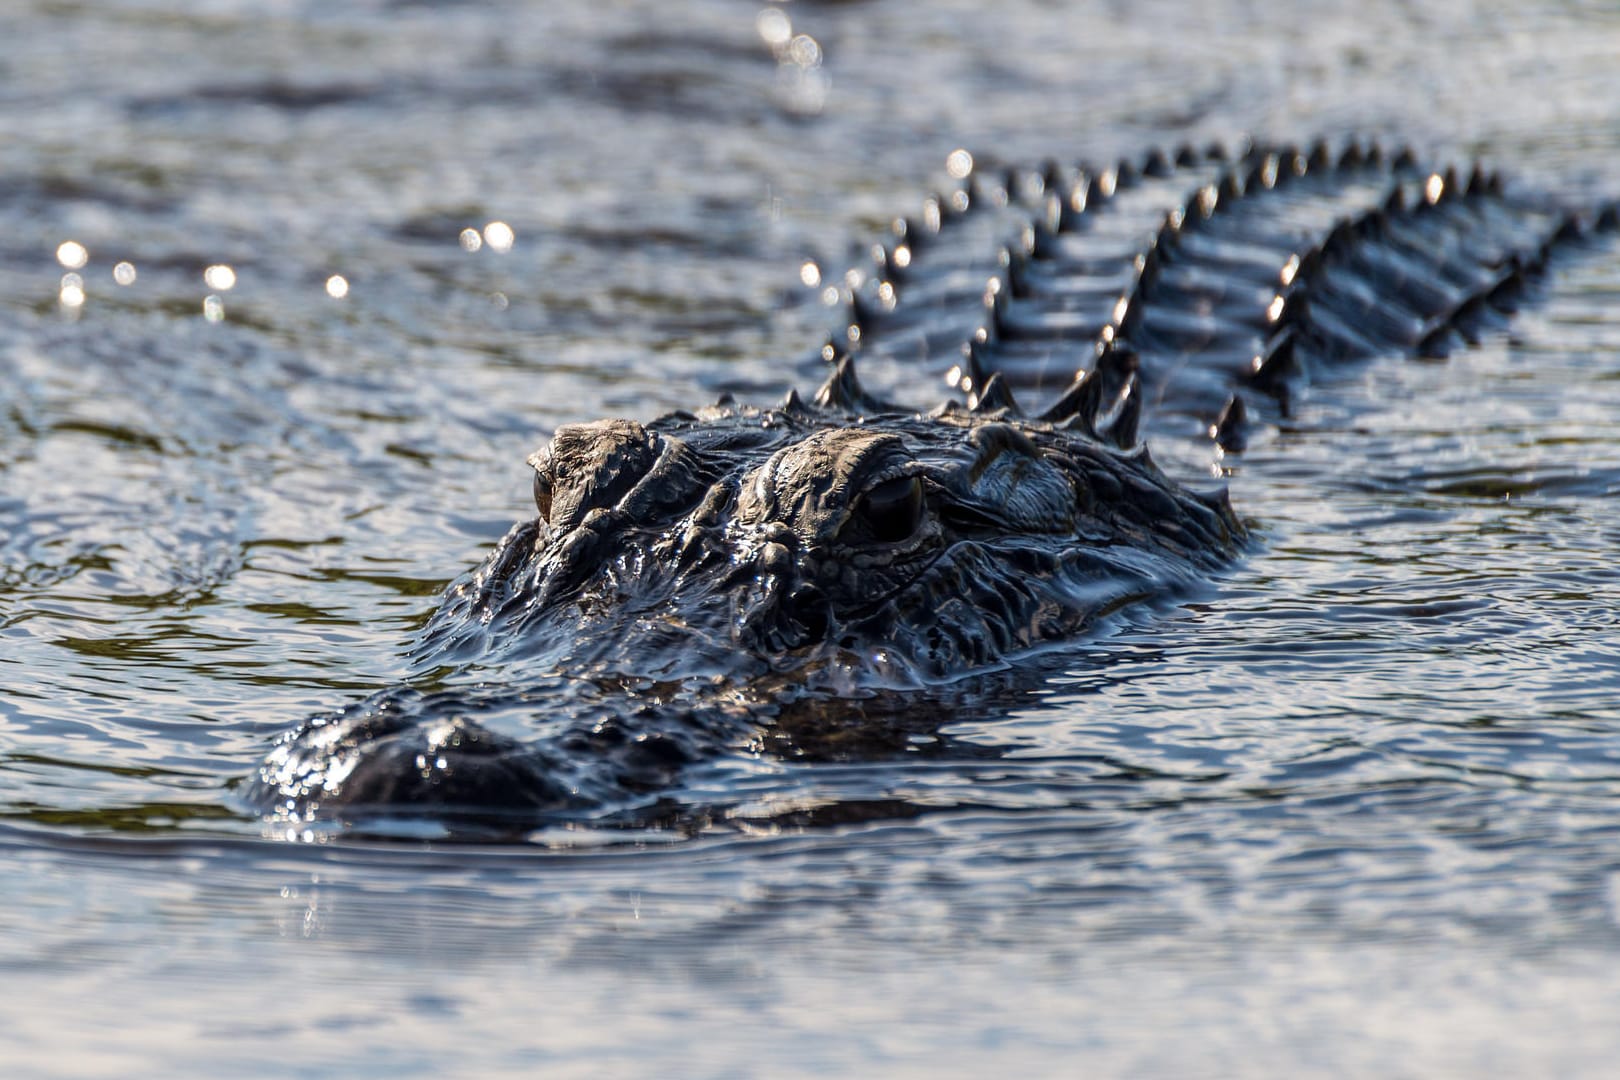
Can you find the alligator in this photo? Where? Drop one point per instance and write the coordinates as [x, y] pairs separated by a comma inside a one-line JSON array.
[[734, 579]]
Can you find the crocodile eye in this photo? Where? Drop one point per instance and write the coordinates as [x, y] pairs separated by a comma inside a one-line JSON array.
[[542, 494], [893, 509]]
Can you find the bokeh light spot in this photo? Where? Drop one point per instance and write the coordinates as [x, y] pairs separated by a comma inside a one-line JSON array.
[[499, 236], [774, 27], [805, 51], [71, 254]]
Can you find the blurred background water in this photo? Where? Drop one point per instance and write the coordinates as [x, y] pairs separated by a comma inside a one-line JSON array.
[[289, 289]]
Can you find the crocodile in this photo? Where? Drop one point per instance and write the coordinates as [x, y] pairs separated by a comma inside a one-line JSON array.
[[727, 580]]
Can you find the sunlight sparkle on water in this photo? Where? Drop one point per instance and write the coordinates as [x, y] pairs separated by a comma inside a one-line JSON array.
[[774, 28], [805, 51], [337, 286], [802, 83], [810, 274], [213, 308], [220, 278], [470, 240], [72, 291], [499, 236], [71, 254], [959, 163], [124, 273]]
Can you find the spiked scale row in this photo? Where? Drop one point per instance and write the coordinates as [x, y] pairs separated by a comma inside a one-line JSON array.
[[1183, 278], [1100, 402]]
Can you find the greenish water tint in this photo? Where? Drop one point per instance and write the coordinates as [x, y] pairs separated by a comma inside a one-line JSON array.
[[1354, 810]]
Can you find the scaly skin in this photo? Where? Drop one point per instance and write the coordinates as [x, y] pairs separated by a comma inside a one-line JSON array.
[[693, 582]]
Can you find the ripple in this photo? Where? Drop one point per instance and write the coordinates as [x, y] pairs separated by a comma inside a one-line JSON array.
[[1352, 805]]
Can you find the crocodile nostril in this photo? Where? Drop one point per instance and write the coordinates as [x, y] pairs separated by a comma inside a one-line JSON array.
[[775, 559]]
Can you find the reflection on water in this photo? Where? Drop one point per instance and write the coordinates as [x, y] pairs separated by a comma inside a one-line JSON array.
[[1351, 810]]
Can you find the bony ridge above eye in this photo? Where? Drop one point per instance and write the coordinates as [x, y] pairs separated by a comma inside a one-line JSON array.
[[542, 493]]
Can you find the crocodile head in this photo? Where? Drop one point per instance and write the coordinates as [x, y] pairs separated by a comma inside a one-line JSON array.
[[845, 533]]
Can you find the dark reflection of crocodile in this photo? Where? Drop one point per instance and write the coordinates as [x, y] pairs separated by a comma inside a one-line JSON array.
[[807, 580]]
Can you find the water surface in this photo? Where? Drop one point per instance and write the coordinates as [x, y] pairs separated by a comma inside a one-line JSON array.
[[1352, 810]]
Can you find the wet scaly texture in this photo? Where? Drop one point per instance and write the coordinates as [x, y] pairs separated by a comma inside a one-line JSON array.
[[1351, 812]]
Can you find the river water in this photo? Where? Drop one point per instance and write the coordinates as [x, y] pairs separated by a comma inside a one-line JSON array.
[[1353, 810]]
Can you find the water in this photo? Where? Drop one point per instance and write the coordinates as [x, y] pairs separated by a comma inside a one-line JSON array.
[[1350, 811]]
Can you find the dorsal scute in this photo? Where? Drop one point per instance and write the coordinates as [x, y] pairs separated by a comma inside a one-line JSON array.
[[1374, 252], [1231, 428], [842, 390], [995, 397], [1122, 429], [1079, 406]]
